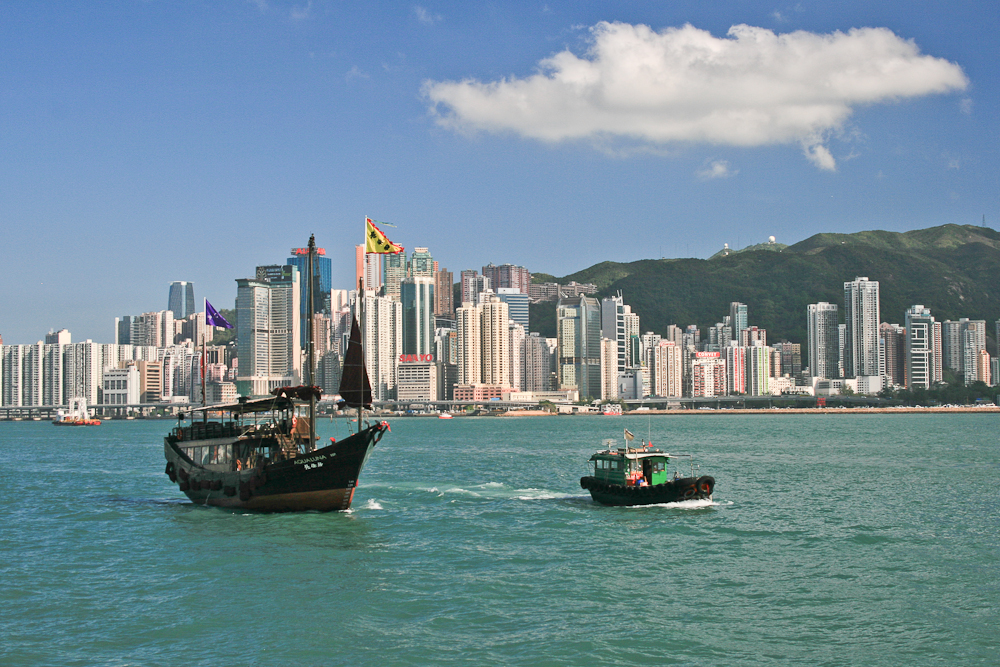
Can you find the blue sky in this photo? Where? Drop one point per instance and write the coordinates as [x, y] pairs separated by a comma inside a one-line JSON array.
[[146, 142]]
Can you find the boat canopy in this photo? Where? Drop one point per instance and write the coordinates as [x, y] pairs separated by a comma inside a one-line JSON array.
[[243, 407]]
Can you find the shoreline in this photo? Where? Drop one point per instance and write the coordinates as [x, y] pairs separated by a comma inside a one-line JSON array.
[[824, 411]]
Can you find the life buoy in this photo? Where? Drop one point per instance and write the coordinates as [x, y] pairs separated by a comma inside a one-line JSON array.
[[690, 491]]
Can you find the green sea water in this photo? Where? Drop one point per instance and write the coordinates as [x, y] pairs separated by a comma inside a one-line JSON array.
[[831, 540]]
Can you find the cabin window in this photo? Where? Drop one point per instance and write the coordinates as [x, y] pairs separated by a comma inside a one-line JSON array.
[[614, 465], [658, 466]]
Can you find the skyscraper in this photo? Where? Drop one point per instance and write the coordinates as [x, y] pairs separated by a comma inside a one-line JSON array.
[[421, 263], [322, 282], [893, 354], [269, 343], [921, 344], [578, 328], [468, 339], [613, 327], [822, 320], [495, 342], [509, 276], [444, 294], [737, 318], [417, 296], [861, 317], [517, 304], [181, 299]]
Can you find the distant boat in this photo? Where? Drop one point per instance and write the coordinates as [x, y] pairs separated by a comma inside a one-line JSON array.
[[445, 415], [78, 414], [613, 410], [639, 476], [262, 454]]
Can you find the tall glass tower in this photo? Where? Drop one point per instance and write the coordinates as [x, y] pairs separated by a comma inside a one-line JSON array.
[[181, 299]]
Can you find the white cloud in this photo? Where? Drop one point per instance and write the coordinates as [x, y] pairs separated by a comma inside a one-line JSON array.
[[965, 105], [301, 13], [425, 16], [356, 73], [751, 88], [717, 169]]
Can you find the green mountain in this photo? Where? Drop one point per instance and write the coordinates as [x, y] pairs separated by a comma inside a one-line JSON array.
[[954, 270]]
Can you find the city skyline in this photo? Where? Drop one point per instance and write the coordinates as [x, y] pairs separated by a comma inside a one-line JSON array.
[[216, 137]]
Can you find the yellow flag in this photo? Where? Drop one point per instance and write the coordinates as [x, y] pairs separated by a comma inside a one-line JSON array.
[[375, 240]]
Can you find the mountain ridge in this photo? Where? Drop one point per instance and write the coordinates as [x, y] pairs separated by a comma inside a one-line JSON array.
[[952, 269]]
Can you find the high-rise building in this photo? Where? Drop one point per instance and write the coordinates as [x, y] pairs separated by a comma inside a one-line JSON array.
[[893, 339], [495, 342], [508, 276], [791, 357], [468, 323], [737, 318], [861, 317], [395, 271], [444, 294], [180, 299], [472, 285], [973, 342], [736, 369], [537, 364], [421, 263], [823, 339], [381, 322], [609, 369], [267, 328], [578, 327], [516, 350], [517, 304], [322, 284], [613, 327], [633, 346], [417, 296], [667, 370], [921, 344], [758, 370], [708, 375], [750, 336], [368, 269]]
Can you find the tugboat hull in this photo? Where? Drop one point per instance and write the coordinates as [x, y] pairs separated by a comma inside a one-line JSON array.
[[688, 488]]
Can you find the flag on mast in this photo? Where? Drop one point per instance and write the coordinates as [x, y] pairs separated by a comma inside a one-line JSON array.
[[214, 319], [376, 241]]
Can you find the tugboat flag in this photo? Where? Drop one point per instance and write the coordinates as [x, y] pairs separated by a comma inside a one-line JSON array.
[[375, 240], [213, 319], [629, 436]]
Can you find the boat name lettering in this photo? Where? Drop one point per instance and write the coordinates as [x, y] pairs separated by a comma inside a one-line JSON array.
[[311, 459]]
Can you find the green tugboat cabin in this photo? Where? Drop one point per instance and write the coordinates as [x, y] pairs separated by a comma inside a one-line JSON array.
[[630, 467]]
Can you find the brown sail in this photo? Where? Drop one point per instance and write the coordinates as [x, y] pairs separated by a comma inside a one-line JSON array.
[[355, 388]]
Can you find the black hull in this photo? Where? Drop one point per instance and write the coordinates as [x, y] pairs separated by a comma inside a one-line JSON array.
[[688, 488], [323, 480]]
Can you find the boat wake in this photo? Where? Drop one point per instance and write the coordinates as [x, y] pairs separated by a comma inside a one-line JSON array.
[[684, 504]]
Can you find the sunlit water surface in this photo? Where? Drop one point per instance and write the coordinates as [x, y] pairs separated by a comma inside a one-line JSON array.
[[830, 540]]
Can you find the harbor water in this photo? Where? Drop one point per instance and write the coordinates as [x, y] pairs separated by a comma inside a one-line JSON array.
[[830, 540]]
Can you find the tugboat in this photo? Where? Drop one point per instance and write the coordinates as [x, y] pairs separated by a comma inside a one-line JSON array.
[[262, 455], [78, 415], [639, 476]]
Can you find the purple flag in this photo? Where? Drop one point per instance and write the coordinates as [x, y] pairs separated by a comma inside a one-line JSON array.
[[212, 317]]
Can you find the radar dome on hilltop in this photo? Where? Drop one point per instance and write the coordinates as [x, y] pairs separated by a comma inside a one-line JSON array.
[[770, 239]]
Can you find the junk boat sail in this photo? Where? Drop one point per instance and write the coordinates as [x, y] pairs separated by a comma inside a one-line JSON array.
[[262, 454], [639, 476]]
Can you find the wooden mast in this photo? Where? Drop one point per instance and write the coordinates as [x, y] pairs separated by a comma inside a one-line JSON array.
[[311, 344]]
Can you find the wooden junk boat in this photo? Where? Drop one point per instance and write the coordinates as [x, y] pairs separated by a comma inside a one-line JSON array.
[[262, 455], [640, 476]]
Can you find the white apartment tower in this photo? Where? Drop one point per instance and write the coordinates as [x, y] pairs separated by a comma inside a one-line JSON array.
[[495, 342], [861, 315], [470, 364], [822, 335]]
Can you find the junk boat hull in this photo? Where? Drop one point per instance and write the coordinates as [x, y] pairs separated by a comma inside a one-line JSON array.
[[687, 488], [321, 480]]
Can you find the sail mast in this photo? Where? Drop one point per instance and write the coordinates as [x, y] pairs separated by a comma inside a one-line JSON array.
[[311, 344]]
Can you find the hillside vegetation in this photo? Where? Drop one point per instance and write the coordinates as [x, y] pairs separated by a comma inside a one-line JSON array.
[[954, 270]]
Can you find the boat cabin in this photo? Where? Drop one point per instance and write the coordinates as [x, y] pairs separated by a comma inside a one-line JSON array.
[[631, 467], [249, 433]]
